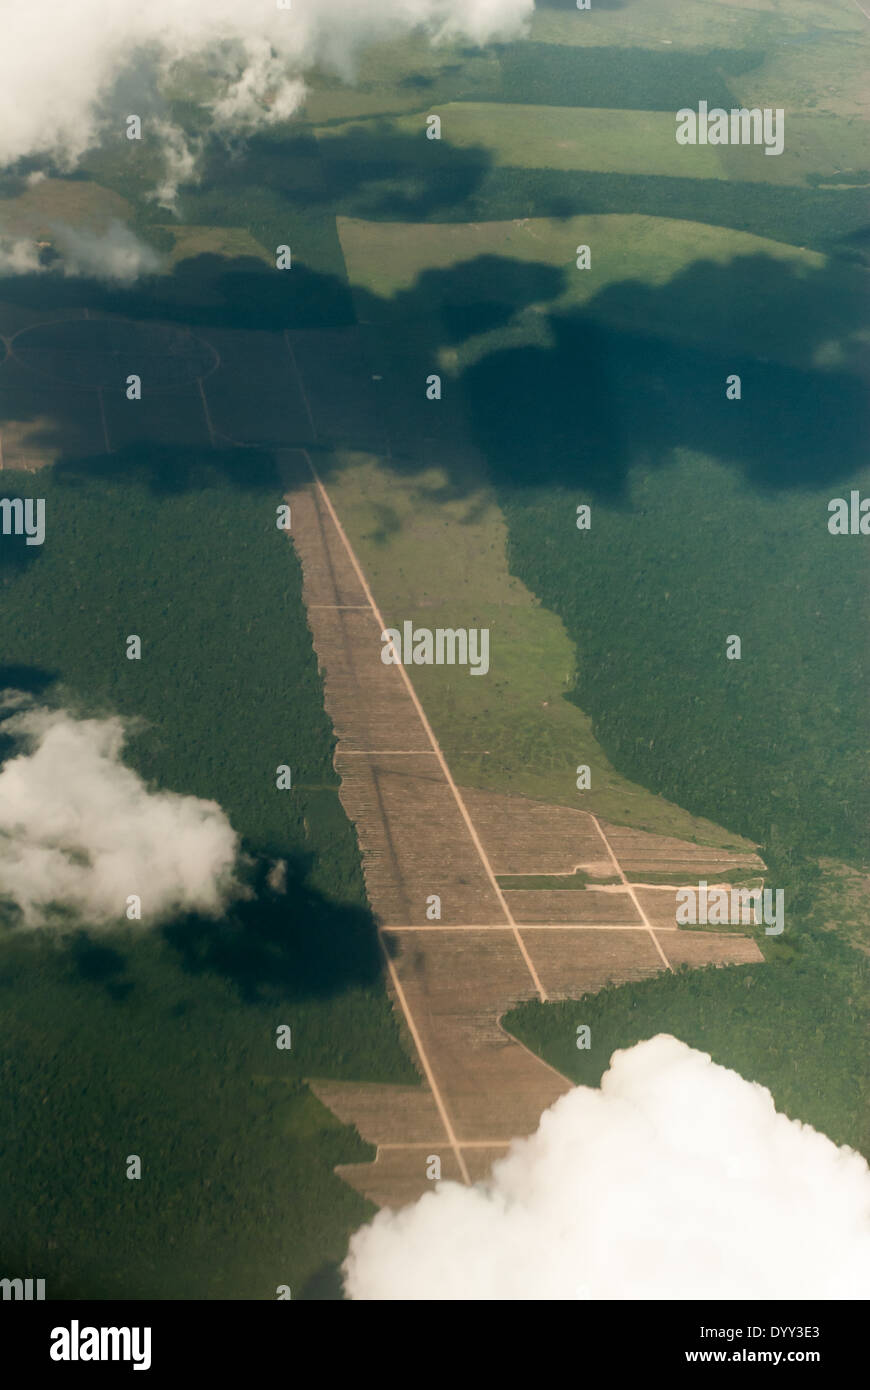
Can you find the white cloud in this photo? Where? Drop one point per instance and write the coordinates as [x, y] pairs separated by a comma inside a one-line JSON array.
[[179, 163], [80, 829], [60, 62], [676, 1180], [116, 254], [18, 257]]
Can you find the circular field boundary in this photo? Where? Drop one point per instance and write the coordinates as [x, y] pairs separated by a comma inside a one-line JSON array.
[[118, 347]]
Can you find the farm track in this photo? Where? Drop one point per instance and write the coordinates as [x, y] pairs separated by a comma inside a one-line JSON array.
[[420, 835]]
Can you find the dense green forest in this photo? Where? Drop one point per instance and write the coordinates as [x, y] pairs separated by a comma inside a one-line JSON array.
[[161, 1042], [770, 744]]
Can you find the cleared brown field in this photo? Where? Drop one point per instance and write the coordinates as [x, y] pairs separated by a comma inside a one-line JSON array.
[[398, 1176], [572, 963], [638, 851], [531, 837], [479, 1161], [589, 907], [371, 715], [660, 905], [457, 985], [698, 948], [420, 835], [328, 575], [384, 1114], [413, 842]]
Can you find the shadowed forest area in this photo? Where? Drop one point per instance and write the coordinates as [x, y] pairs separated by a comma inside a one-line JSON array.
[[161, 1041]]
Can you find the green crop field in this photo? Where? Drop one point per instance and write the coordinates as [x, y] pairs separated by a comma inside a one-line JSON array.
[[713, 280], [554, 137], [822, 148]]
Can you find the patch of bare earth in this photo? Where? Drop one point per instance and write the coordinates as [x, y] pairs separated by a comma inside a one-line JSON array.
[[420, 836]]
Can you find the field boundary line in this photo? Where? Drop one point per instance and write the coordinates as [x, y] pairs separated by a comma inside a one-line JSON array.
[[630, 890], [443, 1113], [421, 1053], [436, 747], [530, 926], [463, 1144], [211, 430], [304, 393]]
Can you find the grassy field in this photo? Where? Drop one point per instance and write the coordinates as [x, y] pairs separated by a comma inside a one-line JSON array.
[[387, 258], [436, 554], [783, 26], [654, 55], [554, 137], [78, 202], [712, 280], [597, 140], [230, 242], [163, 1043], [607, 387]]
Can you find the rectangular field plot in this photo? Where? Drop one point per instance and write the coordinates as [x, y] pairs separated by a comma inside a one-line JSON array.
[[660, 906], [556, 137], [384, 1114], [592, 905], [458, 984], [530, 837], [698, 948], [398, 1176], [329, 580], [253, 396], [414, 842], [572, 963], [639, 851], [368, 702], [343, 398], [165, 418], [479, 1161]]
